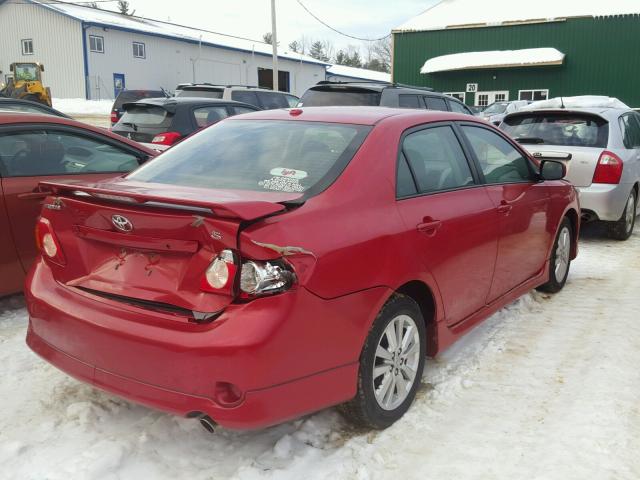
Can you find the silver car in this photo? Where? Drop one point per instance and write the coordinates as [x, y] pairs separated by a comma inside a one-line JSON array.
[[601, 148]]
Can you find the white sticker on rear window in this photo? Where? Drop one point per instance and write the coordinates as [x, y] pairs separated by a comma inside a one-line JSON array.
[[282, 184], [288, 173]]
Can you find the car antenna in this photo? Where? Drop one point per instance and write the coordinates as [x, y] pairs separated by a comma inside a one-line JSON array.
[[562, 103]]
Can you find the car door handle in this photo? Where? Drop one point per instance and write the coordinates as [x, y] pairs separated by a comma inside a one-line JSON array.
[[505, 208], [34, 195], [429, 226]]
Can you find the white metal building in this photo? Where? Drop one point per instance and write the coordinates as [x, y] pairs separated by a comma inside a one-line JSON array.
[[93, 53]]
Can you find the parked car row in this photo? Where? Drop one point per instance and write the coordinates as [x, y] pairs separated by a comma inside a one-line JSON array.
[[273, 263]]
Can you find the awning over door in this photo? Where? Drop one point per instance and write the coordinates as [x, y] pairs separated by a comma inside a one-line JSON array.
[[529, 57]]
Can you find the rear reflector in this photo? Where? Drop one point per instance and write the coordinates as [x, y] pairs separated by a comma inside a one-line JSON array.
[[609, 169], [167, 138]]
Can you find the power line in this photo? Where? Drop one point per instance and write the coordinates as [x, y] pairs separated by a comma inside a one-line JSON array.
[[338, 31], [56, 2]]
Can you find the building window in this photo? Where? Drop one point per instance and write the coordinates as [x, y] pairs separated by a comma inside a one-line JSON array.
[[265, 79], [139, 50], [533, 95], [462, 96], [96, 44], [27, 46], [484, 99]]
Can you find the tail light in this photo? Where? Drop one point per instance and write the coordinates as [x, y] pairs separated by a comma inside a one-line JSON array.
[[256, 278], [609, 169], [114, 117], [167, 138], [48, 243]]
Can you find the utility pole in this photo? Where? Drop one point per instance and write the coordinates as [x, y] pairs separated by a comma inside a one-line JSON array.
[[274, 44]]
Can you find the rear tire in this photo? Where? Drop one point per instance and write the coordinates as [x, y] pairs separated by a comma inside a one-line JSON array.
[[623, 228], [390, 370], [560, 260]]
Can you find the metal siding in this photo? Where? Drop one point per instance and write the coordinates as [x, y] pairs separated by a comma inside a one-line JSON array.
[[599, 57], [57, 43], [168, 63]]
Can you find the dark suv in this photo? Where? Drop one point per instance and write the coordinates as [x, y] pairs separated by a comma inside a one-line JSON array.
[[379, 94], [162, 122]]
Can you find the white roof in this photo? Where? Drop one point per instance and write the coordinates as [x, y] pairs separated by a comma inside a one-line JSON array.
[[476, 13], [582, 101], [494, 59], [169, 30], [358, 73]]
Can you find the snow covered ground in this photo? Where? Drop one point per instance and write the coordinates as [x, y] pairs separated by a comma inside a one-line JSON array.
[[548, 388], [80, 106]]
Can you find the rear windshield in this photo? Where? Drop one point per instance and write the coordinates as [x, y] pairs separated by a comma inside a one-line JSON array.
[[203, 93], [279, 156], [130, 96], [566, 129], [334, 97], [145, 116], [496, 108]]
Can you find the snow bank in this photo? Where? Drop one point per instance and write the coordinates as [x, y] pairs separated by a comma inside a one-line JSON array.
[[583, 101], [494, 59], [80, 106]]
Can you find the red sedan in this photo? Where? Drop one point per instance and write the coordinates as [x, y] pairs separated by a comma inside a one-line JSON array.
[[285, 261], [34, 148]]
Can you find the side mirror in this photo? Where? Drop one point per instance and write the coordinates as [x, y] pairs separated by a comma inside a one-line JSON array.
[[552, 170]]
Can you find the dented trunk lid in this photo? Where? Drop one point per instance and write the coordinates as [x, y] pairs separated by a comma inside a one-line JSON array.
[[150, 244]]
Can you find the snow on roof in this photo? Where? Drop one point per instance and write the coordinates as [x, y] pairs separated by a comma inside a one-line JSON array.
[[494, 59], [358, 73], [582, 101], [155, 27], [474, 13]]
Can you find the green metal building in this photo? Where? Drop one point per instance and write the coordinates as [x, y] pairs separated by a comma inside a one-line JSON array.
[[486, 51]]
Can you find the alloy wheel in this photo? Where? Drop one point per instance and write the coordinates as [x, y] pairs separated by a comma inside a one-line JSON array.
[[630, 212], [396, 362], [563, 253]]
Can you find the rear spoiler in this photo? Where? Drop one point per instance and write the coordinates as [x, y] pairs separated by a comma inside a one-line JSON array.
[[232, 208]]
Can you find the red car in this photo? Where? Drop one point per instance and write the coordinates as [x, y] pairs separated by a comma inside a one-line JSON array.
[[285, 261], [33, 148]]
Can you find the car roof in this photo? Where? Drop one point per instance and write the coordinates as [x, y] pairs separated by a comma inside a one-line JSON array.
[[374, 86], [20, 101], [211, 86], [186, 101], [11, 118], [357, 116]]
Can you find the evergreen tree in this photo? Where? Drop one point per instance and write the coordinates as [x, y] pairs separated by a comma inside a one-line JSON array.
[[123, 6], [267, 38], [318, 52]]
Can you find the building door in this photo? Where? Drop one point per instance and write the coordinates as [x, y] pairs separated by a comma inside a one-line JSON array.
[[484, 99], [265, 79], [118, 84]]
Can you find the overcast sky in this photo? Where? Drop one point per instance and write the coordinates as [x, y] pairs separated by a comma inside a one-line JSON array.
[[252, 18]]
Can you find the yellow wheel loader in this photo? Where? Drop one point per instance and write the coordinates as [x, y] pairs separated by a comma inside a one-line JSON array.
[[26, 83]]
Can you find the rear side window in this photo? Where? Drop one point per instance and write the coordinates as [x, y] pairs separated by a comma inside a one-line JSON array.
[[241, 110], [405, 186], [458, 108], [130, 96], [146, 116], [245, 96], [283, 156], [334, 97], [272, 100], [410, 101], [292, 100], [206, 116], [499, 161], [630, 131], [203, 93], [51, 152], [436, 160], [558, 128], [436, 103]]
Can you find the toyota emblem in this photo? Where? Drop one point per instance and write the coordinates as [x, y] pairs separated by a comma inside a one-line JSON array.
[[122, 223]]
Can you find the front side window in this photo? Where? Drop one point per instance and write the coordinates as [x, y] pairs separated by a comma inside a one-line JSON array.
[[245, 96], [459, 108], [50, 152], [410, 101], [272, 100], [206, 116], [96, 44], [27, 46], [499, 161], [139, 50], [436, 103], [27, 72], [267, 156], [436, 160]]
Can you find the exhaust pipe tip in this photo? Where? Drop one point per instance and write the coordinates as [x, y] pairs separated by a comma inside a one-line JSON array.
[[208, 423]]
